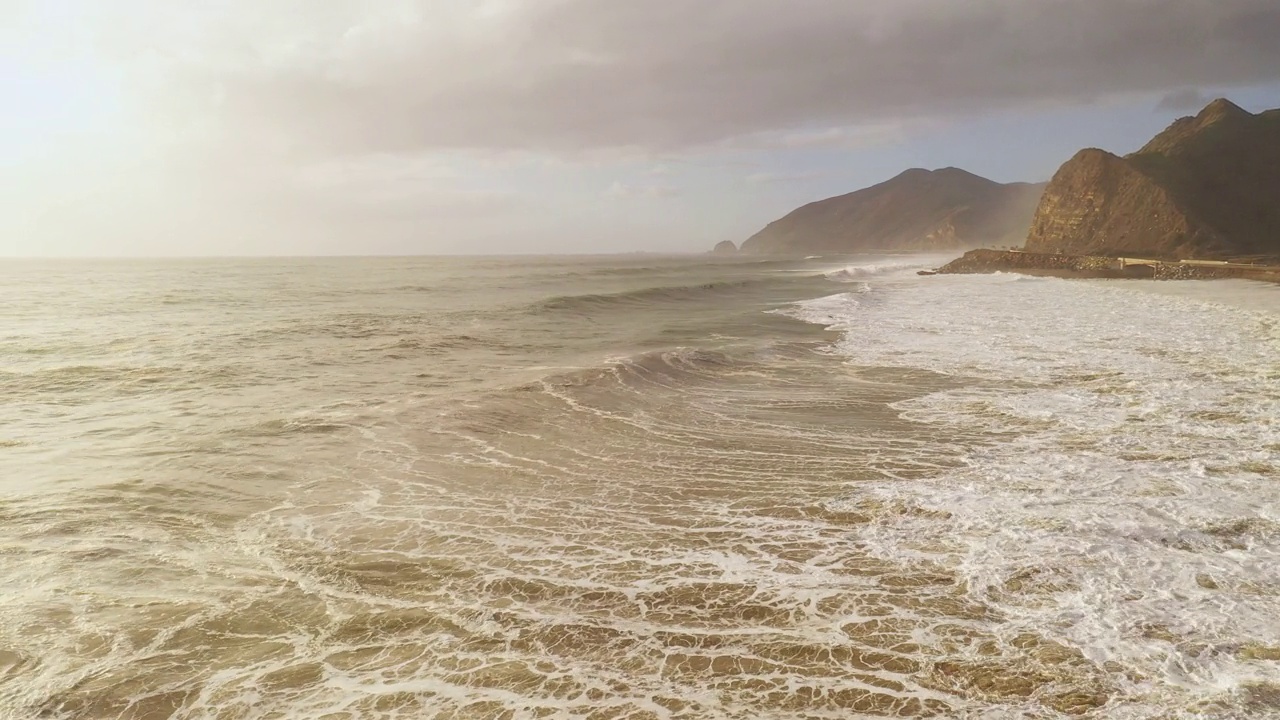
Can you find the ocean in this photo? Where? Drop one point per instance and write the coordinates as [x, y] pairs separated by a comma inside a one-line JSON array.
[[634, 487]]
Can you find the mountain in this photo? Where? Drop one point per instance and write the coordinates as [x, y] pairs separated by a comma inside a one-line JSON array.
[[922, 210], [1207, 187]]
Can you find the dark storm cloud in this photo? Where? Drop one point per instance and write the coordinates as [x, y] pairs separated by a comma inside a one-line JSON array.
[[569, 75], [1185, 100]]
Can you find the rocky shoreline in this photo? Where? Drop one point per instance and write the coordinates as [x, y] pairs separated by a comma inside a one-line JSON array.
[[1090, 266]]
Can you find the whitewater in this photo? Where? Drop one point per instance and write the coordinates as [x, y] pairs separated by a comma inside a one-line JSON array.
[[634, 487]]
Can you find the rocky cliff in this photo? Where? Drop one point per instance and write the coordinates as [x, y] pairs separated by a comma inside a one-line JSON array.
[[919, 210], [1207, 187]]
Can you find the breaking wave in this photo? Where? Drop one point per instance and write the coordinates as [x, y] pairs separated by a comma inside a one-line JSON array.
[[977, 497], [644, 297], [855, 273], [1121, 504]]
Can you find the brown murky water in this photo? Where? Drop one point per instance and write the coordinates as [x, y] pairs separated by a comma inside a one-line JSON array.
[[633, 488]]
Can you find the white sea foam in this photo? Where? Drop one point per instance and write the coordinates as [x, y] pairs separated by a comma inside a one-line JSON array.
[[1129, 505], [364, 516], [856, 273]]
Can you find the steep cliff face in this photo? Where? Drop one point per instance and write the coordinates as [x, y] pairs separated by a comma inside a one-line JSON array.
[[1208, 186], [1099, 204], [917, 210]]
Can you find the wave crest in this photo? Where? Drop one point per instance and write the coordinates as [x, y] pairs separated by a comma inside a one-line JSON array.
[[854, 273], [639, 297]]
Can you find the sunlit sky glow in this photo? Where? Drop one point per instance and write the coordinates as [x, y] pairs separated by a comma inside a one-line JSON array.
[[243, 127]]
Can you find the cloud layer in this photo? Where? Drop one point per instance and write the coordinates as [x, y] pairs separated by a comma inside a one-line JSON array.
[[569, 75], [242, 126]]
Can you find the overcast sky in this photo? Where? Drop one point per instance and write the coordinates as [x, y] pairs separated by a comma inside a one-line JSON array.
[[247, 127]]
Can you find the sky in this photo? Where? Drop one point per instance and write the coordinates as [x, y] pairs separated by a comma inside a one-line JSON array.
[[348, 127]]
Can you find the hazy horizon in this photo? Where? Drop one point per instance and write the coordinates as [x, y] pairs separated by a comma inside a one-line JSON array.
[[504, 127]]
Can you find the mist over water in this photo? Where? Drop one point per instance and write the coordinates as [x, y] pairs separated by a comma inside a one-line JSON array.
[[634, 488]]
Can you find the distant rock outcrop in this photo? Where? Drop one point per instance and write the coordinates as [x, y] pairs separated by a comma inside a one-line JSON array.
[[1207, 187], [919, 210], [725, 248]]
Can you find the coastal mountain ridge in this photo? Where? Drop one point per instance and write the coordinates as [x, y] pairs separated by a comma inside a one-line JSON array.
[[918, 210], [1206, 187]]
